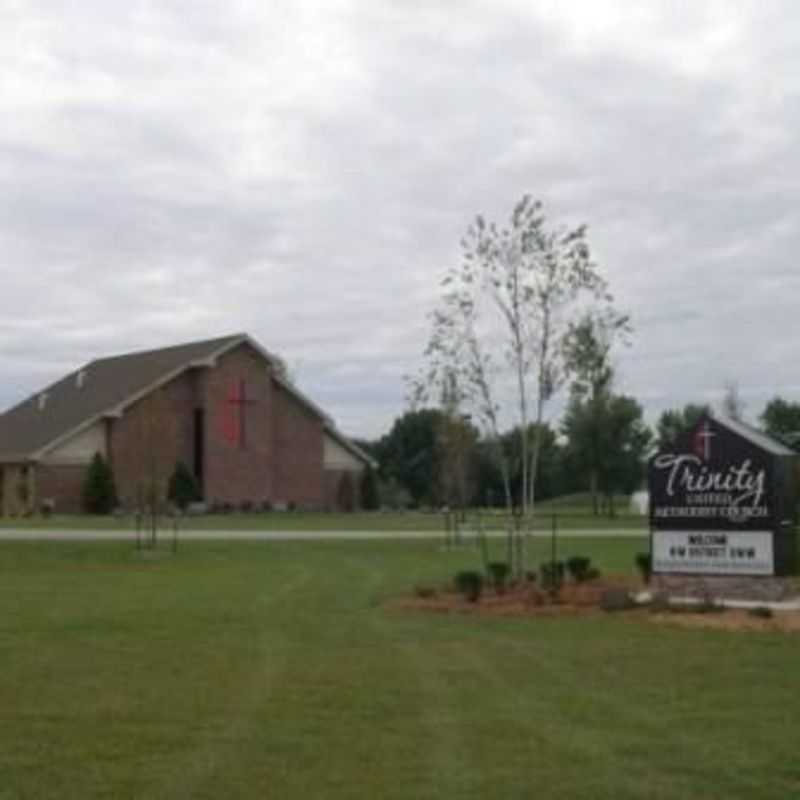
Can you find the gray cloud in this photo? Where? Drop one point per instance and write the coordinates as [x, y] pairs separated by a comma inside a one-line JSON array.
[[305, 172]]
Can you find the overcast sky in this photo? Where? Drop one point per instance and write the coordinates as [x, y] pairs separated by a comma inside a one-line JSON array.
[[305, 171]]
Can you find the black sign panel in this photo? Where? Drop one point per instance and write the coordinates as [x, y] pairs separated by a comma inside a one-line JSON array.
[[722, 501], [712, 480]]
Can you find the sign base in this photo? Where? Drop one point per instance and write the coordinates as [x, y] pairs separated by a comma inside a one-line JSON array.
[[759, 589]]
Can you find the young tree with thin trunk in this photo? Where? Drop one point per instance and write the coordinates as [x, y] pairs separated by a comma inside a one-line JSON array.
[[500, 328]]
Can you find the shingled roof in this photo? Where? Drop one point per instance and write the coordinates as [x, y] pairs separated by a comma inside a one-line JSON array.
[[106, 386]]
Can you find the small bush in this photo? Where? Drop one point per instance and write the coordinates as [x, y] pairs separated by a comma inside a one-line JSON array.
[[424, 591], [246, 506], [370, 493], [617, 600], [266, 505], [470, 584], [552, 575], [99, 492], [644, 563], [182, 488], [578, 568], [498, 573], [761, 612], [531, 576]]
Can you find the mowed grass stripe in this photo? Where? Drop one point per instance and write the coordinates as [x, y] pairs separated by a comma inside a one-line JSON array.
[[276, 670]]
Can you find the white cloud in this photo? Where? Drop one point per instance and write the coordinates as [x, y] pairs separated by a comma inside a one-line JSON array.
[[304, 171]]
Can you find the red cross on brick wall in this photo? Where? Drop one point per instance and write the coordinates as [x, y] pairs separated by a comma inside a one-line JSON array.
[[234, 418]]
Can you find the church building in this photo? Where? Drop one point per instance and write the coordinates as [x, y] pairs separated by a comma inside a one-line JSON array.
[[224, 407]]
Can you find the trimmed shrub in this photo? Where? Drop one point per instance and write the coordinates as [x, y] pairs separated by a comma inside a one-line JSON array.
[[182, 488], [498, 573], [552, 575], [99, 491], [617, 600], [761, 612], [470, 584], [644, 563], [579, 568]]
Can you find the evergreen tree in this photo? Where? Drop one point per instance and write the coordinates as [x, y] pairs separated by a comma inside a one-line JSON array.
[[370, 496], [99, 491], [182, 488]]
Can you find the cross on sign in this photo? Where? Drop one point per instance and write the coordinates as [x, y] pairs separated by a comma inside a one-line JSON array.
[[235, 429], [702, 442]]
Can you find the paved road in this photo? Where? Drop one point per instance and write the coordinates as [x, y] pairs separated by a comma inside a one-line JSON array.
[[61, 534]]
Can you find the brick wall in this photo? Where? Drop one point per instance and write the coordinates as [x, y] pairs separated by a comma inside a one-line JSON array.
[[279, 458], [237, 471], [62, 483], [151, 437], [298, 435]]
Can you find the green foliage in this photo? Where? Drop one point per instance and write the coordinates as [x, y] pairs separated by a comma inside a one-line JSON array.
[[644, 563], [761, 612], [580, 568], [551, 575], [470, 584], [370, 494], [182, 488], [409, 455], [499, 572], [673, 422], [607, 441], [781, 419], [99, 492]]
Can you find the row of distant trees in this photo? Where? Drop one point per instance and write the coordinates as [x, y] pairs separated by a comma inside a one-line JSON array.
[[525, 316], [601, 446]]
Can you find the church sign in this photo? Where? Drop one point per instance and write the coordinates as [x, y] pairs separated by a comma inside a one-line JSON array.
[[722, 502]]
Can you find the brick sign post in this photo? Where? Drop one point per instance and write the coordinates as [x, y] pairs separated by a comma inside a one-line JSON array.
[[722, 503]]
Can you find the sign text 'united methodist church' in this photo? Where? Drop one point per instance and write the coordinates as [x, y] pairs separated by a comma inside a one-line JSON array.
[[722, 502]]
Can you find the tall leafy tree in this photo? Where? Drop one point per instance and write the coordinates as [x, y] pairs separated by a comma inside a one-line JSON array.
[[409, 454], [588, 348], [674, 421], [607, 444], [781, 418]]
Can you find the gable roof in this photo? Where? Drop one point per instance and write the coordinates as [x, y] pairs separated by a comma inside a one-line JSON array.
[[107, 386], [760, 439]]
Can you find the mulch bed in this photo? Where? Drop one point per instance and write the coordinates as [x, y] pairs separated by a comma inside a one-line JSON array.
[[522, 600], [528, 600]]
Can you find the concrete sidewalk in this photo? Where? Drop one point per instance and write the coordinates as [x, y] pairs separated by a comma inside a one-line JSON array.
[[68, 535]]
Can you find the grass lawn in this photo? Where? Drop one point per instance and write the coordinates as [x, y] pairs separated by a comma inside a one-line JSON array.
[[273, 670]]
